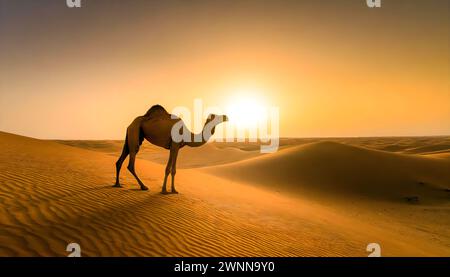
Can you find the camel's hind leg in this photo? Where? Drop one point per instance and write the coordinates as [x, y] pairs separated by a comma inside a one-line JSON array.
[[131, 169], [120, 161], [135, 139]]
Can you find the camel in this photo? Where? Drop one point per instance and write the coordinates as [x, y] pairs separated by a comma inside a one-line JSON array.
[[156, 127]]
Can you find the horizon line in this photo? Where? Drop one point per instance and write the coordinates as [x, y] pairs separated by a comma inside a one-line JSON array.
[[281, 137]]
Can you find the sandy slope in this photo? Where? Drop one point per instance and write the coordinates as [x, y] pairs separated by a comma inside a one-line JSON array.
[[52, 194]]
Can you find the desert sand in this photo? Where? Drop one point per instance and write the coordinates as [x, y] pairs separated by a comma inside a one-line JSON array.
[[314, 197]]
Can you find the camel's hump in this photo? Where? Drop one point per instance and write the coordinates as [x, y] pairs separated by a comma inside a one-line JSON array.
[[156, 110]]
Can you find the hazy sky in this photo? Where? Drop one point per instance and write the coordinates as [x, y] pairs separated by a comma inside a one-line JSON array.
[[334, 68]]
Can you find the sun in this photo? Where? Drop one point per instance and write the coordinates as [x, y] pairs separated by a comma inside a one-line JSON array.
[[246, 111]]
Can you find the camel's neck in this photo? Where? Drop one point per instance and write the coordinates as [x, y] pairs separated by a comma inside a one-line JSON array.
[[201, 138]]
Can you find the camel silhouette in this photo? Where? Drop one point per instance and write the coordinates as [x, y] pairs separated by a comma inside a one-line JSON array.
[[156, 127]]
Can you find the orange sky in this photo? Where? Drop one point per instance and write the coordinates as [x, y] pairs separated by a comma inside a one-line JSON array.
[[334, 68]]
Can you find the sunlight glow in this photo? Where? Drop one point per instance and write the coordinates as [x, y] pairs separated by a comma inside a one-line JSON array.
[[246, 111]]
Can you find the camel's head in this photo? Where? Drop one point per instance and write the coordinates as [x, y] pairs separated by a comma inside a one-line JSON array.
[[217, 118]]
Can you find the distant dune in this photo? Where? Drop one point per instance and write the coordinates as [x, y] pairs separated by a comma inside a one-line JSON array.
[[244, 204], [336, 169]]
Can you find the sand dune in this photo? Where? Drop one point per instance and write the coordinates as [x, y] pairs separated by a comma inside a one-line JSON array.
[[53, 194], [332, 168]]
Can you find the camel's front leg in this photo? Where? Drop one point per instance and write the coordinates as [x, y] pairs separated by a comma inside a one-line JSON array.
[[168, 167], [174, 166]]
